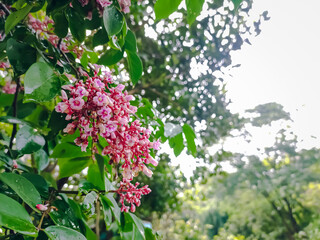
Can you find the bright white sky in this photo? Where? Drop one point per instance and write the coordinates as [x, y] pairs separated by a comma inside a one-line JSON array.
[[282, 65]]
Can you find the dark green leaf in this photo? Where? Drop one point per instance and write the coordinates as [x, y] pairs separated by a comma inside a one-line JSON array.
[[190, 136], [29, 140], [135, 67], [68, 150], [39, 182], [163, 8], [100, 162], [76, 24], [68, 167], [21, 56], [111, 57], [37, 5], [65, 215], [6, 99], [139, 228], [194, 8], [100, 38], [23, 187], [60, 24], [57, 122], [41, 159], [131, 42], [15, 17], [54, 5], [13, 120], [149, 234], [63, 233], [15, 217], [112, 20]]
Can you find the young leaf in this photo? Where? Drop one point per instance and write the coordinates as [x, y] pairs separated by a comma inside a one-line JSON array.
[[15, 17], [135, 67], [163, 8], [190, 136], [15, 217], [62, 233], [40, 83], [23, 187], [112, 20], [28, 140], [194, 8], [21, 55]]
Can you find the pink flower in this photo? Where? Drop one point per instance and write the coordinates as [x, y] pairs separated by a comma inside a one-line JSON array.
[[125, 4], [104, 3], [156, 145], [147, 171], [98, 84], [62, 107], [9, 88], [14, 164], [104, 113], [42, 207], [100, 99], [82, 92], [70, 128], [76, 103]]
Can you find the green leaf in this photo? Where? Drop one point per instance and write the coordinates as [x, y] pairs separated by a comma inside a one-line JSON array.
[[131, 42], [112, 20], [57, 122], [176, 143], [15, 217], [68, 167], [76, 24], [190, 136], [110, 57], [6, 99], [66, 215], [100, 38], [113, 206], [29, 140], [63, 233], [237, 3], [21, 55], [60, 24], [100, 162], [139, 228], [68, 150], [93, 173], [40, 83], [149, 234], [39, 182], [135, 67], [54, 5], [41, 159], [13, 120], [15, 17], [194, 8], [106, 207], [163, 8], [89, 200], [23, 187]]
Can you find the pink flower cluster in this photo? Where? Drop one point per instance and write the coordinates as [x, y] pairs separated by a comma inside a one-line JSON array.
[[9, 87], [131, 194], [97, 109]]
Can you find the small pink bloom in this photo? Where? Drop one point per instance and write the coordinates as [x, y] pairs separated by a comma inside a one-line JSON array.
[[64, 95], [104, 113], [133, 208], [14, 164], [70, 129], [127, 173], [98, 84], [82, 92], [147, 171], [76, 103], [42, 207], [156, 145], [100, 99], [61, 107]]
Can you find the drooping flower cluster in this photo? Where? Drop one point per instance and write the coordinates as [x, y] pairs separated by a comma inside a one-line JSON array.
[[97, 109], [131, 194]]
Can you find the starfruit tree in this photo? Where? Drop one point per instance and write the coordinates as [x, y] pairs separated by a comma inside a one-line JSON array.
[[72, 140]]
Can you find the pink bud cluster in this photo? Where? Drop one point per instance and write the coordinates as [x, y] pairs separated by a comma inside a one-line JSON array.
[[131, 194], [97, 109]]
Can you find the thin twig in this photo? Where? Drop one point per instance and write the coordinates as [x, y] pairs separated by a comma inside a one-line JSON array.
[[14, 112], [40, 223]]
